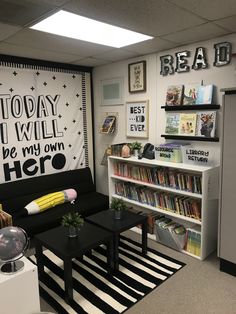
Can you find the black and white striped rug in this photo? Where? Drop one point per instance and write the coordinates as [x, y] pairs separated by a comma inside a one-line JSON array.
[[97, 292]]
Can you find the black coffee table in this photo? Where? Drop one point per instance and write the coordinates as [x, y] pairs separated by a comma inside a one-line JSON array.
[[106, 220], [57, 241]]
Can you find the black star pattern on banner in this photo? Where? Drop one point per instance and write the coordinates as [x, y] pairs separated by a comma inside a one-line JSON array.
[[60, 116], [11, 89], [79, 132], [15, 73], [54, 77], [65, 128], [73, 76], [32, 88], [67, 104], [77, 95], [83, 147], [0, 83], [70, 145], [64, 86], [80, 108], [81, 164], [74, 121], [45, 83], [37, 73], [74, 157]]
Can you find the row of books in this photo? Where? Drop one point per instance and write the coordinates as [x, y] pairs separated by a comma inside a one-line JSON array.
[[193, 241], [162, 176], [171, 233], [191, 124], [151, 218], [190, 94], [178, 204]]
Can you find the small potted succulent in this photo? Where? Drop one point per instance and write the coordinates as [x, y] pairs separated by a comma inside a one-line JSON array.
[[72, 221], [118, 205], [136, 147]]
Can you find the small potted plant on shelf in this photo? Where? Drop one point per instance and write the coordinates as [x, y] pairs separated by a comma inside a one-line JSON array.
[[136, 147], [73, 222], [118, 205]]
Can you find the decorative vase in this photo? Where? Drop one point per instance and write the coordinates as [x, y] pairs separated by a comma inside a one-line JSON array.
[[72, 232], [125, 151], [136, 153], [118, 214]]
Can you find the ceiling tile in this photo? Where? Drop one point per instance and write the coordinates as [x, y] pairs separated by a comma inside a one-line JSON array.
[[51, 2], [91, 62], [45, 41], [7, 30], [153, 17], [23, 51], [228, 23], [210, 9], [150, 46], [202, 32], [117, 55], [22, 12]]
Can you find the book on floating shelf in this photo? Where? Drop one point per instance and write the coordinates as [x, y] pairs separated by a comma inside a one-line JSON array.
[[205, 94], [190, 94], [174, 95], [206, 124], [172, 123], [187, 124]]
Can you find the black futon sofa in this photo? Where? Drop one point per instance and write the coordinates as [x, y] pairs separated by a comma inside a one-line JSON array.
[[14, 196]]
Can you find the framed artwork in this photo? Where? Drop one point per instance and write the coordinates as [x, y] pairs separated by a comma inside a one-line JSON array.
[[112, 92], [137, 77], [137, 119]]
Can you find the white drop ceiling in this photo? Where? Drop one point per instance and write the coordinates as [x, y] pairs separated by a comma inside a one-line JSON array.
[[172, 23]]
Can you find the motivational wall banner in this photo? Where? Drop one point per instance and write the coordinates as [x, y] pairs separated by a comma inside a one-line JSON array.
[[42, 122]]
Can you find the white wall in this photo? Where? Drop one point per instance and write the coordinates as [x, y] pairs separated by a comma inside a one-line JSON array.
[[157, 85]]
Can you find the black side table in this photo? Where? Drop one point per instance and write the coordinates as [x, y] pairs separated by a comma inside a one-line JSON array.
[[57, 241], [106, 220]]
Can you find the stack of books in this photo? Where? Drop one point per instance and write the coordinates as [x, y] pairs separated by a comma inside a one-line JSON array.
[[193, 242]]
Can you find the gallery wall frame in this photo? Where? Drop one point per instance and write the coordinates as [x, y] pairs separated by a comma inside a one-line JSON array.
[[112, 91], [137, 77], [137, 119]]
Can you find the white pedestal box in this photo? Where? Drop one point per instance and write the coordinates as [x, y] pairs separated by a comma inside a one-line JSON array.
[[19, 292]]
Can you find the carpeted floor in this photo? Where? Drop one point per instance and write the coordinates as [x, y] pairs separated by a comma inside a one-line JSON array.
[[95, 291]]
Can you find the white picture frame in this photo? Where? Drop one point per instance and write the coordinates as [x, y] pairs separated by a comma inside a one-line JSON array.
[[137, 119], [112, 92]]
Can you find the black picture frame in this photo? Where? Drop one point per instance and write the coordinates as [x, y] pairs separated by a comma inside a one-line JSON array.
[[137, 77]]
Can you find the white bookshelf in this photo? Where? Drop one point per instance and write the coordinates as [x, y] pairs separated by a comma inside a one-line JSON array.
[[208, 197]]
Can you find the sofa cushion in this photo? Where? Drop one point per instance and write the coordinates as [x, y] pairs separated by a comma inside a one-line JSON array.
[[78, 179], [92, 203], [85, 205], [43, 221]]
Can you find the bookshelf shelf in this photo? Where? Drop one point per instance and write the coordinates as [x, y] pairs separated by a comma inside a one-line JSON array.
[[158, 187], [159, 210], [191, 107], [205, 224], [190, 138]]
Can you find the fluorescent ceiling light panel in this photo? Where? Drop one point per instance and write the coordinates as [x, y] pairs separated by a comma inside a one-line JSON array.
[[74, 26]]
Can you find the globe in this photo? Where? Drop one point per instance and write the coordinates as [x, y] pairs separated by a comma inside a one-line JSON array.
[[13, 245]]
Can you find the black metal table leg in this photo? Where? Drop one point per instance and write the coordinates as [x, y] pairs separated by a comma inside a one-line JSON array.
[[39, 258], [68, 280], [144, 237], [116, 238]]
